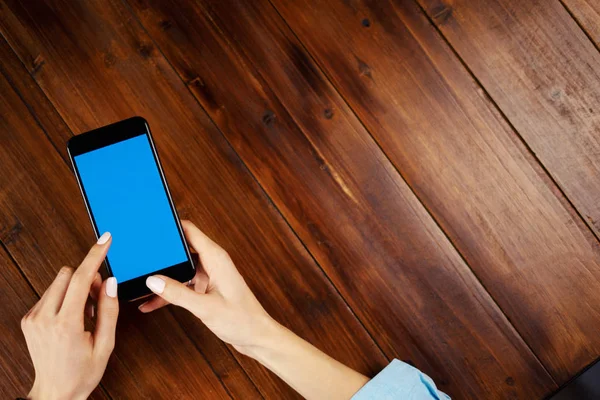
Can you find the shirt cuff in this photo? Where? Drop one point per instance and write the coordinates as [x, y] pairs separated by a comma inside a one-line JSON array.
[[400, 381]]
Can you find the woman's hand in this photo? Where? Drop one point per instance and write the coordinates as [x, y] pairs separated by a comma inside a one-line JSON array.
[[218, 295], [222, 300], [69, 361]]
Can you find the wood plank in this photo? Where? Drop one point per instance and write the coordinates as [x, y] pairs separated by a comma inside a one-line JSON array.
[[17, 297], [219, 357], [109, 70], [544, 74], [587, 14], [33, 97], [16, 369], [343, 197], [519, 235], [43, 225]]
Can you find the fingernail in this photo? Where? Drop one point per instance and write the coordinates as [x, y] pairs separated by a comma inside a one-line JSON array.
[[111, 287], [104, 238], [142, 305], [155, 284]]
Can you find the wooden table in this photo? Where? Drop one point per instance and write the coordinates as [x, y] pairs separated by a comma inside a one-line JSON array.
[[395, 179]]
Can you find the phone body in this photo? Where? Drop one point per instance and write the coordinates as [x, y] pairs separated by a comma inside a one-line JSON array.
[[126, 193]]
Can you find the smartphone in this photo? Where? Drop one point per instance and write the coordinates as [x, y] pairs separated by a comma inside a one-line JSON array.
[[126, 193]]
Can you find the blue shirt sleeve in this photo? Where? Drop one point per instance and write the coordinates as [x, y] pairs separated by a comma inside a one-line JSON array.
[[400, 381]]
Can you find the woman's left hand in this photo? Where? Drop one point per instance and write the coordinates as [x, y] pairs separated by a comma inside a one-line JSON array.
[[68, 360]]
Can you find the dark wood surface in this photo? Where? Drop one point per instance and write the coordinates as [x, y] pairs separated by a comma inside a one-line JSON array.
[[355, 197], [16, 374], [412, 180], [587, 15], [467, 165], [545, 78]]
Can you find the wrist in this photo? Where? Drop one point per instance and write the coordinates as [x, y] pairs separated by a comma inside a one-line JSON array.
[[36, 393], [267, 336]]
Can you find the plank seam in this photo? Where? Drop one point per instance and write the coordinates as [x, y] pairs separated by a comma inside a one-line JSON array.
[[580, 25], [264, 192], [555, 184], [2, 244], [30, 109], [516, 132], [243, 53], [429, 212], [268, 198], [5, 248], [18, 267], [135, 17]]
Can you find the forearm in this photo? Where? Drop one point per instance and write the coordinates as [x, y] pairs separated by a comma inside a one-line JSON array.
[[305, 368]]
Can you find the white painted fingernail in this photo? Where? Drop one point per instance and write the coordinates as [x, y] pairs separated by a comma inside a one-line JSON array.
[[104, 238], [155, 284], [111, 287]]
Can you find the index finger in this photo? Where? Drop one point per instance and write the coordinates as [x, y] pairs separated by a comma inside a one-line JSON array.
[[83, 277]]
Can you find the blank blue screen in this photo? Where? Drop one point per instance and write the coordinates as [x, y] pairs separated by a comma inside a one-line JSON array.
[[127, 198]]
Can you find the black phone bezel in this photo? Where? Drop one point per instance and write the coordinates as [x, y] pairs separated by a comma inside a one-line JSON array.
[[111, 134]]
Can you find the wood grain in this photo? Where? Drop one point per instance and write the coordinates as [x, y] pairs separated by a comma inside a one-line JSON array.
[[100, 67], [338, 191], [220, 359], [16, 369], [43, 224], [587, 14], [518, 234], [17, 297], [545, 78]]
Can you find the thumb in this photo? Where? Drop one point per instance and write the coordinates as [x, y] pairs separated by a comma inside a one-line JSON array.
[[108, 312], [174, 292]]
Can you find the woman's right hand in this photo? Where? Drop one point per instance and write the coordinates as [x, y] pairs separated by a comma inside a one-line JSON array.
[[218, 295], [222, 300]]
